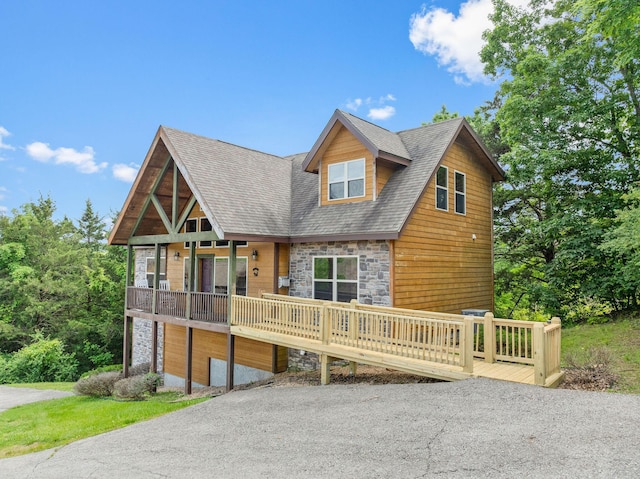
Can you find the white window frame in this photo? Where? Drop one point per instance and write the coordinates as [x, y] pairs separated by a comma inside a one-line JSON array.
[[153, 274], [238, 259], [346, 179], [186, 243], [444, 188], [462, 193], [334, 281], [239, 244]]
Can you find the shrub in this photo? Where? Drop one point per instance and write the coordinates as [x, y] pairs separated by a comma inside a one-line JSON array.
[[98, 385], [103, 369], [136, 387], [140, 369], [42, 361]]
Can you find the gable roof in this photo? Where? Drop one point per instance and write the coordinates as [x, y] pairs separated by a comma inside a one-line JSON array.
[[380, 142], [247, 194]]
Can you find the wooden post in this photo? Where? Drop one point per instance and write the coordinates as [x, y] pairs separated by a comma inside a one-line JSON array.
[[467, 344], [231, 345], [189, 360], [489, 339], [325, 373], [191, 280], [126, 346], [539, 373], [325, 325], [154, 346], [156, 279], [353, 333]]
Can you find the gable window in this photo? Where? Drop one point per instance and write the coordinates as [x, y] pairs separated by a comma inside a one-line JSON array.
[[442, 189], [190, 226], [205, 225], [461, 193], [335, 278], [346, 179]]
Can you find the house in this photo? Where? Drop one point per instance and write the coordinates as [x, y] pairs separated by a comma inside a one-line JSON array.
[[398, 219]]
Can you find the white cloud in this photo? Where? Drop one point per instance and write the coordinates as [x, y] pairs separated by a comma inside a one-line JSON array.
[[354, 104], [3, 210], [3, 134], [455, 41], [124, 172], [84, 161], [3, 190], [382, 113], [378, 109]]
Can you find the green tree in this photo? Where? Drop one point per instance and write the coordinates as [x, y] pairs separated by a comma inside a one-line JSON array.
[[567, 118]]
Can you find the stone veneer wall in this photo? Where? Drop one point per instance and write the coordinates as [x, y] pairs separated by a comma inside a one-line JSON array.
[[141, 344], [373, 278]]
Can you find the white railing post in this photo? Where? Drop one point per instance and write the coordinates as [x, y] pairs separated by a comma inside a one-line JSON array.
[[325, 325], [539, 373], [467, 344], [489, 339]]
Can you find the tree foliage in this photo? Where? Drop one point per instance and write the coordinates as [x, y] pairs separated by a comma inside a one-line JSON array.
[[61, 280], [565, 123]]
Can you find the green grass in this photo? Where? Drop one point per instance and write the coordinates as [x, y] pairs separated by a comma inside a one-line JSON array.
[[56, 386], [43, 425], [621, 338]]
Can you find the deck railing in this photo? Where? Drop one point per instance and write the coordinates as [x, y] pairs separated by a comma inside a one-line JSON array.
[[210, 307], [438, 337]]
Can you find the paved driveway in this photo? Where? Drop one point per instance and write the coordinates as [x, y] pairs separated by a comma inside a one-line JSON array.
[[472, 428], [12, 397]]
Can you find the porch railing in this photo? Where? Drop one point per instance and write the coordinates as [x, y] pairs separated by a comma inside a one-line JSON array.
[[438, 337], [210, 307]]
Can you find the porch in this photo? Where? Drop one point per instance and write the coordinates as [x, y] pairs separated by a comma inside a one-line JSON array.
[[438, 345]]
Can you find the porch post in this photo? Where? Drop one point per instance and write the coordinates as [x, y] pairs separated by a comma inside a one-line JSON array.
[[126, 342], [276, 274], [126, 346], [231, 291], [156, 278], [189, 360], [154, 346]]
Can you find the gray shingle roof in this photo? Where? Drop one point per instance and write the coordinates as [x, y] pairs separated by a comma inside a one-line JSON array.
[[243, 191], [247, 193]]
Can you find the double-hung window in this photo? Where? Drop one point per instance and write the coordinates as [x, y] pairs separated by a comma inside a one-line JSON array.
[[335, 278], [151, 267], [205, 225], [346, 179], [461, 193], [442, 189]]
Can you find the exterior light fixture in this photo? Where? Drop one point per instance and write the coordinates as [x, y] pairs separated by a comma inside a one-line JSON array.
[[254, 255], [176, 256], [255, 271]]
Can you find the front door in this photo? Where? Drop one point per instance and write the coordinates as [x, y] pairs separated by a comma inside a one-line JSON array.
[[206, 275]]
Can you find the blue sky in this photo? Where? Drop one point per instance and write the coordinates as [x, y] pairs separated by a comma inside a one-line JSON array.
[[85, 85]]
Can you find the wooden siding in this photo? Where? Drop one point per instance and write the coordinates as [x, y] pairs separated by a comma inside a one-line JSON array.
[[383, 172], [207, 344], [256, 285], [438, 266], [344, 147]]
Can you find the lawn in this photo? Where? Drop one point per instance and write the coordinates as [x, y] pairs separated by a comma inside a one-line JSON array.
[[43, 425], [621, 339]]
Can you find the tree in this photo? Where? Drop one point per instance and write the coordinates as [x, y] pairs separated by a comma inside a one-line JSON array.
[[568, 118]]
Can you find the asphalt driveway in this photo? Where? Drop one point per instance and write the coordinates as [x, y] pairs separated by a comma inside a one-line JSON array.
[[12, 397], [472, 428]]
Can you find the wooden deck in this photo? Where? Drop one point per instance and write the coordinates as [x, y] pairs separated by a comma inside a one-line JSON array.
[[442, 346]]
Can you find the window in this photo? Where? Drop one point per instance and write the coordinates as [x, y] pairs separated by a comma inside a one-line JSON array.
[[151, 268], [442, 189], [225, 243], [221, 276], [335, 278], [205, 225], [190, 226], [461, 193], [346, 180]]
